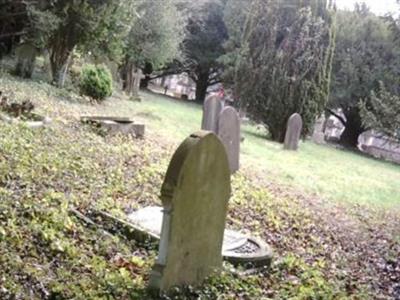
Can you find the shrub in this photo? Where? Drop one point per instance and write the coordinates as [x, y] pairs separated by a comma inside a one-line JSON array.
[[96, 82]]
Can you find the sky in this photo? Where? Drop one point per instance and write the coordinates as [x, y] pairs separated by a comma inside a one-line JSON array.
[[380, 7]]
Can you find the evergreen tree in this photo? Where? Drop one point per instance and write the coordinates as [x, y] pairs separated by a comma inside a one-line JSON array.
[[203, 45], [366, 54], [154, 38], [81, 22], [279, 60], [381, 112]]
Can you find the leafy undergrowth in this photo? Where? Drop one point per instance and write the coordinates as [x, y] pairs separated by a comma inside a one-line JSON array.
[[322, 251]]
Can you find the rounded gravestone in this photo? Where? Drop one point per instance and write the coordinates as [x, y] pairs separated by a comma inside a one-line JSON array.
[[229, 133], [293, 132], [194, 213], [211, 110]]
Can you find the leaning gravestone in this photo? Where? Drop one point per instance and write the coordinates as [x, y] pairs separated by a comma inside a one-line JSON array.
[[194, 213], [293, 132], [229, 133], [211, 110]]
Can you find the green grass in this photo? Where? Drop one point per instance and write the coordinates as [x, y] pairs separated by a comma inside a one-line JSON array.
[[328, 173], [48, 253], [325, 171]]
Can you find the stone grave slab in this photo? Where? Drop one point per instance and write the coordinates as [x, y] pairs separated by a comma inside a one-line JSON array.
[[229, 133], [45, 121], [212, 108], [237, 248], [114, 125], [293, 132], [105, 118]]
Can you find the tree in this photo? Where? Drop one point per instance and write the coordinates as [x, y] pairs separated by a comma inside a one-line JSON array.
[[81, 22], [279, 61], [20, 20], [40, 24], [366, 54], [204, 45], [381, 112], [154, 38]]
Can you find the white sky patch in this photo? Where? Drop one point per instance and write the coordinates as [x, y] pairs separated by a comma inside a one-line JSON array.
[[379, 7]]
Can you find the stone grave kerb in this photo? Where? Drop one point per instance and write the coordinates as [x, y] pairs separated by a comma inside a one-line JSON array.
[[195, 196]]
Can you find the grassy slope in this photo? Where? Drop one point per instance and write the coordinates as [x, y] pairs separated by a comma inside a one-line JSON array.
[[322, 170], [47, 253]]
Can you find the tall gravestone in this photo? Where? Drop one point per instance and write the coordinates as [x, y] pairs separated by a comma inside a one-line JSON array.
[[211, 110], [26, 54], [229, 133], [293, 132], [194, 213], [137, 77]]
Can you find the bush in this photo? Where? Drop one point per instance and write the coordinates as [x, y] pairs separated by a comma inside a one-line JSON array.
[[96, 82]]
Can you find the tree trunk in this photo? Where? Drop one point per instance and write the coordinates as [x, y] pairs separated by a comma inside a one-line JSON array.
[[59, 60], [353, 129], [144, 83], [201, 86], [129, 80], [278, 133]]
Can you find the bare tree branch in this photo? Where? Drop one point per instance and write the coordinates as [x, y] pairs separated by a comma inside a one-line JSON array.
[[339, 117]]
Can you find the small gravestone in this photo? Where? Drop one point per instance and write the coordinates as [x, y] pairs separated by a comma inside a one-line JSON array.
[[137, 77], [293, 132], [194, 213], [229, 133], [318, 135], [211, 110]]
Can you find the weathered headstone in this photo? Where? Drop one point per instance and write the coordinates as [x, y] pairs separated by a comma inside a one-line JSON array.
[[211, 110], [318, 135], [293, 132], [137, 76], [26, 54], [194, 213], [229, 133]]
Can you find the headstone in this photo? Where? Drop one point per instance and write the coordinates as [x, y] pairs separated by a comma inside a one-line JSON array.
[[318, 136], [293, 132], [137, 77], [211, 110], [194, 213], [26, 54], [229, 133]]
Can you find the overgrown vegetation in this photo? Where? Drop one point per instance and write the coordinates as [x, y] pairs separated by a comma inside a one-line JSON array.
[[96, 82], [47, 253]]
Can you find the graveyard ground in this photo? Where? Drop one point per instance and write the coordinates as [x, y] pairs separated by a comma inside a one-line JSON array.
[[331, 216]]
